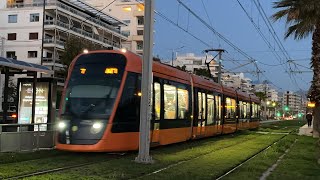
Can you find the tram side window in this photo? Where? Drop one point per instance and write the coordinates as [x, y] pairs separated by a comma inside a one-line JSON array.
[[230, 108], [258, 111], [244, 110], [254, 110], [183, 103], [210, 102], [170, 101], [218, 107], [157, 100], [201, 105]]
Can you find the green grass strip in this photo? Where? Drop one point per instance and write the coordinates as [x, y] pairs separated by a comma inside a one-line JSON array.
[[212, 160], [254, 168], [301, 162]]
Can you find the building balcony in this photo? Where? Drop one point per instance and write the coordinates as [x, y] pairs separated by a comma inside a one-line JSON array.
[[80, 32], [52, 4], [53, 43]]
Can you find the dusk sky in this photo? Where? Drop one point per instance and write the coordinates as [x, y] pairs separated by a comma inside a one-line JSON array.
[[230, 20]]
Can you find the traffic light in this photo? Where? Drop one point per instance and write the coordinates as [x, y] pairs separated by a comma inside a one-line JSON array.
[[286, 108], [278, 114], [300, 115]]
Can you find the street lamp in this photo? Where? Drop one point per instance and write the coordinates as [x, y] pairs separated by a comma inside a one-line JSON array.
[[173, 51]]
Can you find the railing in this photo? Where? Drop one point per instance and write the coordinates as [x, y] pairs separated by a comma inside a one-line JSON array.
[[82, 32], [68, 8], [26, 137]]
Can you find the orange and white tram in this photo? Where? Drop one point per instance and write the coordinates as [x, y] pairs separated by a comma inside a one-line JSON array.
[[101, 104]]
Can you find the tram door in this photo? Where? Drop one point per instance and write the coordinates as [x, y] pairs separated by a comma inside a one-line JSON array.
[[201, 114], [156, 106]]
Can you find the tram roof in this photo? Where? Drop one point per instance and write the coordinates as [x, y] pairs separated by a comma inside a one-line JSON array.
[[22, 65]]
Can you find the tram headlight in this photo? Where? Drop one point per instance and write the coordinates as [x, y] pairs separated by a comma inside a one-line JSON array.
[[62, 125], [97, 125]]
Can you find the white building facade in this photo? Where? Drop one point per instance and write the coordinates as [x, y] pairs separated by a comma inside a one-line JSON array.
[[238, 81], [23, 27], [130, 12], [191, 62]]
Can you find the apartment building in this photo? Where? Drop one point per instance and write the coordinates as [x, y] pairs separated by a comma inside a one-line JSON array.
[[294, 101], [130, 12], [191, 62], [23, 28], [271, 93], [238, 81]]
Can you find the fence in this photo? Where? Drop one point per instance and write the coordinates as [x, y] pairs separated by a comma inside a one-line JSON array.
[[26, 137]]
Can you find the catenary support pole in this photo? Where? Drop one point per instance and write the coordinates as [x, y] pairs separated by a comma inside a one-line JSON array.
[[145, 109]]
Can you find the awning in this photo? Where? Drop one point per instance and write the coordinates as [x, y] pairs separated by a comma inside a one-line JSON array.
[[22, 65]]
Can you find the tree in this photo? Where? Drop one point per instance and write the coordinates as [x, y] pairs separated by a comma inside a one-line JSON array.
[[202, 72], [261, 95], [303, 19]]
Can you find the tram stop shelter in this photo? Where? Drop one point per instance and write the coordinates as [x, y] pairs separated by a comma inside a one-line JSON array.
[[10, 67], [19, 136]]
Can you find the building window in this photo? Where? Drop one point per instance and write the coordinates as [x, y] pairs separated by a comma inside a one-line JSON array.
[[140, 20], [12, 18], [126, 9], [139, 45], [11, 54], [140, 32], [12, 36], [126, 33], [34, 17], [33, 36], [127, 21], [32, 54]]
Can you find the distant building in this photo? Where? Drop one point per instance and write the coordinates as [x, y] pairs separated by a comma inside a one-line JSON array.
[[294, 102], [191, 62], [237, 81], [130, 12], [22, 27], [271, 93]]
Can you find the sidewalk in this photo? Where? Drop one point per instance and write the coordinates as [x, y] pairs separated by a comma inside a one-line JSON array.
[[305, 130]]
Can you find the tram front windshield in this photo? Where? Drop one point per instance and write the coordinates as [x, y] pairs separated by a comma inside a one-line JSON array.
[[93, 86]]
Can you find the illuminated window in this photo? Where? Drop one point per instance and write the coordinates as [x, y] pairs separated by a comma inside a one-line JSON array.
[[218, 107], [210, 103], [183, 103], [157, 100], [230, 108], [199, 105], [126, 9], [170, 99]]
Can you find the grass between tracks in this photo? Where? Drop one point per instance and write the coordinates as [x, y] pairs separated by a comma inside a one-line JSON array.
[[282, 126], [209, 160], [214, 157]]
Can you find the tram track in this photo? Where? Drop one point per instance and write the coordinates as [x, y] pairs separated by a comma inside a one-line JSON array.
[[112, 156], [191, 159], [229, 171]]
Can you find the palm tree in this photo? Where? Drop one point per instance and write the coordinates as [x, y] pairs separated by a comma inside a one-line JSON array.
[[303, 19]]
